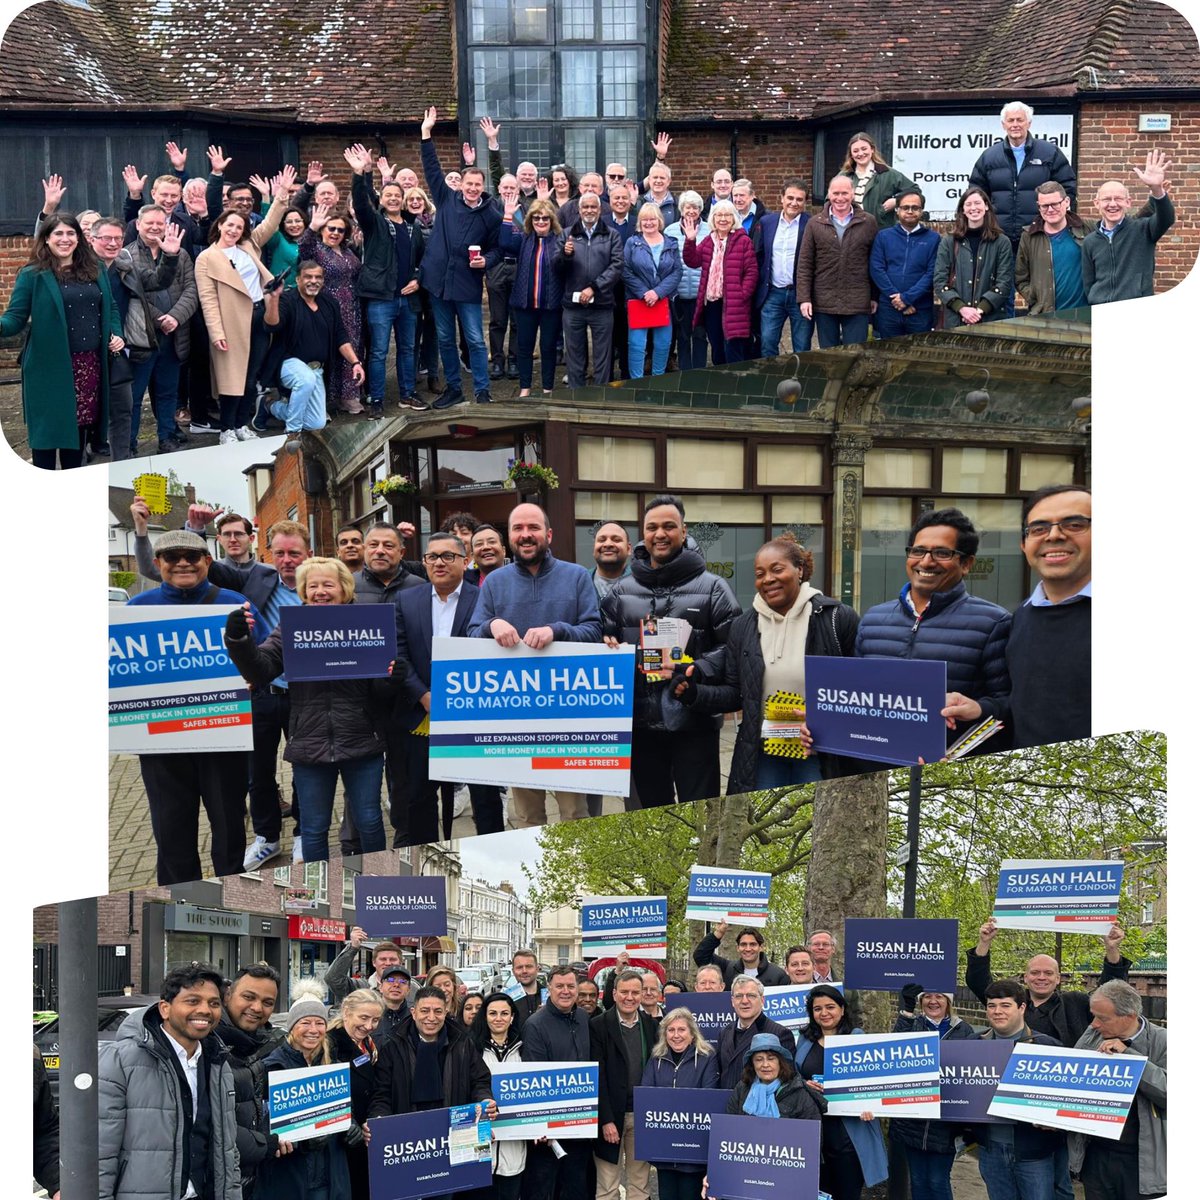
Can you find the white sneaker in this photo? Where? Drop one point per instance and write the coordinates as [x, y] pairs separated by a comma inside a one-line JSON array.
[[461, 800], [227, 437], [297, 851], [245, 434], [258, 852]]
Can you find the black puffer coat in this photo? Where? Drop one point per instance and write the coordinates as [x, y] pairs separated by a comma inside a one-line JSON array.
[[794, 1099], [331, 720], [246, 1059], [682, 588], [465, 1076], [832, 627]]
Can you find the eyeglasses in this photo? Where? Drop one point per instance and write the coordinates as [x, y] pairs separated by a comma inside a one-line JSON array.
[[939, 553], [909, 207], [1044, 204], [171, 557], [446, 556], [1041, 529], [107, 237], [540, 217]]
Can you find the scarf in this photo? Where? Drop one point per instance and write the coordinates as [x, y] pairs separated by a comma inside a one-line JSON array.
[[860, 184], [783, 638], [716, 269], [760, 1101]]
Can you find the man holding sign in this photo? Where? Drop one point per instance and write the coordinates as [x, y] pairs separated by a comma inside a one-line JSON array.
[[752, 958]]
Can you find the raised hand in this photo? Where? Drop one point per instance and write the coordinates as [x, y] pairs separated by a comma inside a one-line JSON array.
[[218, 160], [135, 184], [316, 172], [284, 182], [429, 122], [54, 190], [1154, 176], [359, 158], [178, 157], [468, 153], [386, 171], [319, 214], [661, 145], [690, 226], [543, 189], [172, 238], [491, 131], [260, 185]]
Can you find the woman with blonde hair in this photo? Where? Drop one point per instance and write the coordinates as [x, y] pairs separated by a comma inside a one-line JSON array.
[[446, 982], [682, 1058], [537, 290], [350, 1042], [877, 186], [335, 725]]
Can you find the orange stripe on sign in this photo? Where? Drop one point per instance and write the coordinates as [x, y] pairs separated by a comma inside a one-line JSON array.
[[224, 721], [932, 1097], [579, 764]]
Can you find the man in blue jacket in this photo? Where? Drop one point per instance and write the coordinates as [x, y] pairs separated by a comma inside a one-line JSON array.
[[777, 238], [903, 257], [935, 617], [463, 244]]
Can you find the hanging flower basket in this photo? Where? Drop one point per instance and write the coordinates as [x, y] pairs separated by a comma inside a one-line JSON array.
[[393, 487], [530, 477]]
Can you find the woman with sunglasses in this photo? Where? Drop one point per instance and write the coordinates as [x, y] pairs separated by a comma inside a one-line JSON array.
[[537, 287], [326, 241], [421, 212]]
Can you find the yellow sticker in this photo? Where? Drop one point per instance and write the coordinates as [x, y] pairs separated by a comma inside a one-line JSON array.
[[153, 489]]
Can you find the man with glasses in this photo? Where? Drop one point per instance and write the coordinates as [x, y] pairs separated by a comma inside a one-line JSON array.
[[1049, 255], [1049, 650], [903, 257], [935, 617], [747, 996], [177, 784], [443, 607], [107, 236]]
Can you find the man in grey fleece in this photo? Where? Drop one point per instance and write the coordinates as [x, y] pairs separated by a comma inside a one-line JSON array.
[[537, 599]]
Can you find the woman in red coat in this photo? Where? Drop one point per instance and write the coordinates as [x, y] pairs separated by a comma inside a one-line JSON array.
[[726, 289]]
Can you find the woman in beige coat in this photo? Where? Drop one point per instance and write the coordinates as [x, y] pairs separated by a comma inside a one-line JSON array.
[[230, 278]]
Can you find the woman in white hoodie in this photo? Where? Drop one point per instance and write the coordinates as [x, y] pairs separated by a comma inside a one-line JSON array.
[[764, 656]]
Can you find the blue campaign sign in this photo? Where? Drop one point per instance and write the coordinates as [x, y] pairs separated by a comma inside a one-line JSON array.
[[712, 1010], [971, 1070], [883, 954], [146, 646], [670, 1125], [637, 924], [883, 709], [728, 894], [389, 906], [889, 1074], [1067, 896], [409, 1158], [751, 1158], [309, 1102], [337, 641]]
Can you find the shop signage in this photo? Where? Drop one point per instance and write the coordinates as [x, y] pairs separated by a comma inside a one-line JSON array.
[[187, 917]]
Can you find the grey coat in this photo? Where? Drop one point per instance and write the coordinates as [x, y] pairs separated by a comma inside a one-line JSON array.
[[1151, 1101], [141, 1117], [958, 280], [169, 286]]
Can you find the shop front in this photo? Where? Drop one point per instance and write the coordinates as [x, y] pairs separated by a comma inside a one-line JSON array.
[[313, 943]]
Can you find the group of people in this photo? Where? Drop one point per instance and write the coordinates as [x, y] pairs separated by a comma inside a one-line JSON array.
[[182, 1088], [217, 296], [1030, 669]]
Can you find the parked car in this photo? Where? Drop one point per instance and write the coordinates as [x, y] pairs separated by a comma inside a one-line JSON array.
[[477, 979], [111, 1011], [117, 597]]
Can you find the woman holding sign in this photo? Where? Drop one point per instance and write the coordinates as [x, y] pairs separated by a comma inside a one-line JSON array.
[[315, 1168], [852, 1153], [764, 670], [929, 1145], [494, 1033], [682, 1058], [334, 726], [350, 1042]]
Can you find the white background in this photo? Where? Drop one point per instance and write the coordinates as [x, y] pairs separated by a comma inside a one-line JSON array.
[[1146, 460]]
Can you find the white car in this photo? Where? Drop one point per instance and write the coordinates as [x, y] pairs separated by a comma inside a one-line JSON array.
[[117, 597], [477, 979]]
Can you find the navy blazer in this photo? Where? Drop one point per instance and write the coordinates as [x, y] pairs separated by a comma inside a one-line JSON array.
[[414, 645], [763, 237]]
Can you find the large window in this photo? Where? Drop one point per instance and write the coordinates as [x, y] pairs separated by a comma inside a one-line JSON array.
[[566, 79]]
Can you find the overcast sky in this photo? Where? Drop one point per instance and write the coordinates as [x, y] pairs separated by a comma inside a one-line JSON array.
[[500, 856]]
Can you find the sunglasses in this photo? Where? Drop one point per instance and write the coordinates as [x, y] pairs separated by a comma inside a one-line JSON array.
[[171, 557], [612, 176], [335, 229]]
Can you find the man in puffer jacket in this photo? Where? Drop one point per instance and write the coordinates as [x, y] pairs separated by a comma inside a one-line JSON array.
[[167, 1122], [935, 618], [676, 752]]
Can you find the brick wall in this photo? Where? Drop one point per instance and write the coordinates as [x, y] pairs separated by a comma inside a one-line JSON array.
[[765, 158], [14, 254], [287, 491], [1109, 147]]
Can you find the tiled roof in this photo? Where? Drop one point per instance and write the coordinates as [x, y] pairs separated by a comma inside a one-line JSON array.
[[728, 59], [343, 63]]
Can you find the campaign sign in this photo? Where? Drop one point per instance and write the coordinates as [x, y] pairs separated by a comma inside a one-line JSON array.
[[888, 1074], [1082, 1091], [554, 1099], [883, 954], [750, 1158], [1076, 896], [337, 641], [558, 718], [408, 1158], [884, 709], [670, 1125], [712, 1010], [634, 923], [786, 1004], [726, 894], [971, 1069], [391, 906], [172, 688], [309, 1102]]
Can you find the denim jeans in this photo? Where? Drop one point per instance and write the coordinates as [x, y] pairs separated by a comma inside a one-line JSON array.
[[306, 408], [316, 784], [383, 318], [834, 329], [889, 323], [163, 368], [781, 305], [1010, 1178], [929, 1174], [775, 771], [471, 316], [660, 341]]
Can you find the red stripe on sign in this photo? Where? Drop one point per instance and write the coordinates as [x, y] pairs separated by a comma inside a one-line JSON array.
[[932, 1097], [1113, 1119], [1097, 916], [224, 721], [579, 764]]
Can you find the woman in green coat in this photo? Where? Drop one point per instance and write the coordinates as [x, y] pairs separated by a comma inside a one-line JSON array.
[[876, 185], [63, 295]]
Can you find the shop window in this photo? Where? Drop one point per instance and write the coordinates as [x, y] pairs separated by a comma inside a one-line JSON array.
[[790, 466], [1042, 470], [974, 470], [886, 521], [719, 464], [613, 459], [898, 468], [1000, 572], [801, 517]]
